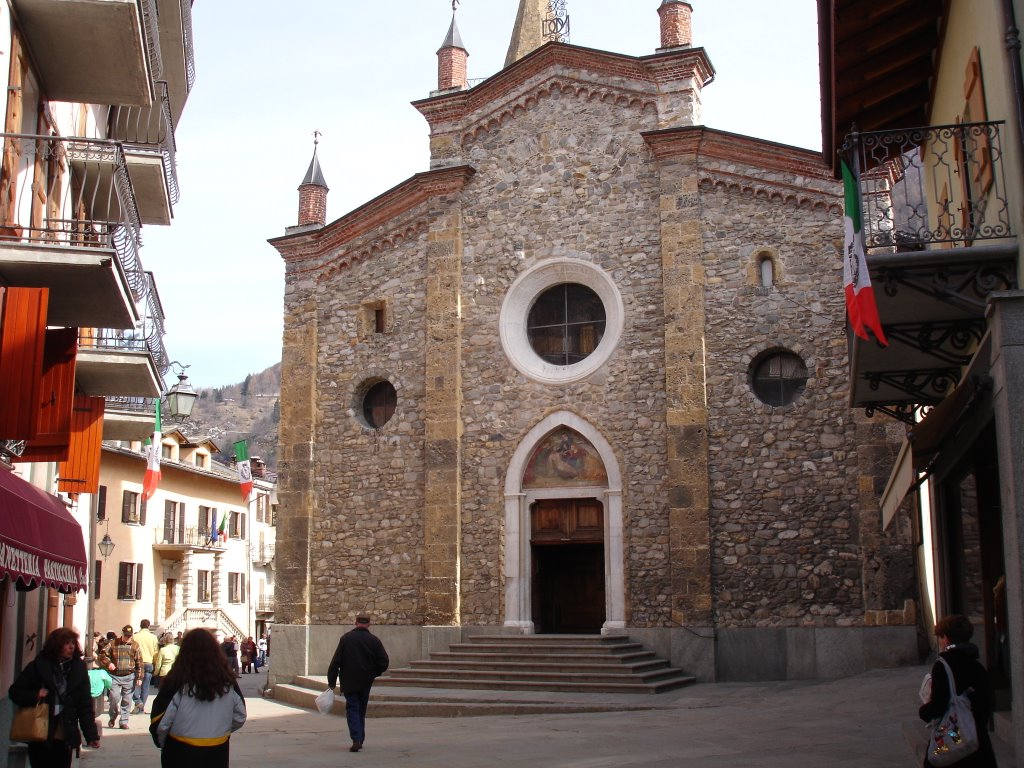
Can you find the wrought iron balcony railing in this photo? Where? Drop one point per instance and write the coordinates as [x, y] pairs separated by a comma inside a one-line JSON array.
[[149, 129], [935, 186], [265, 605], [151, 27], [187, 39], [190, 537], [147, 335], [73, 192], [140, 405]]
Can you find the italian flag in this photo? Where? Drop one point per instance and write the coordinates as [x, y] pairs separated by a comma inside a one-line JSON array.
[[860, 296], [222, 531], [152, 450], [244, 469]]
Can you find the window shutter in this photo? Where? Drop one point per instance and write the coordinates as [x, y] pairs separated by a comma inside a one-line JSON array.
[[97, 578], [126, 506], [56, 398], [241, 526], [181, 522], [22, 342], [101, 503], [122, 580], [138, 581], [169, 522], [241, 584], [81, 472], [142, 511]]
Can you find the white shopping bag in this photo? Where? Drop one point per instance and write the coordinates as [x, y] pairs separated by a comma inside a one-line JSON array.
[[325, 701]]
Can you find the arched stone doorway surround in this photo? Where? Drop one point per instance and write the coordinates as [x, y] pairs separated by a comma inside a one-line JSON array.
[[518, 566]]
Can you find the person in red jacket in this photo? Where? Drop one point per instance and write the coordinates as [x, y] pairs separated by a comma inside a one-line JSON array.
[[360, 658]]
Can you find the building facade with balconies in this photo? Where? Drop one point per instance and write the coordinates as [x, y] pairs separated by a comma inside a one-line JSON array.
[[195, 554], [93, 92], [924, 100]]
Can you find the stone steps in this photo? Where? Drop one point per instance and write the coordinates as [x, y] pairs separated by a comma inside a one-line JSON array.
[[563, 663]]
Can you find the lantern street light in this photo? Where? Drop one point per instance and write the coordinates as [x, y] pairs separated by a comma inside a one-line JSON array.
[[106, 546], [181, 397]]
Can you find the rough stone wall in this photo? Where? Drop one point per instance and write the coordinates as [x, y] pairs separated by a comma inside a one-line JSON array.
[[570, 177], [367, 541], [788, 515]]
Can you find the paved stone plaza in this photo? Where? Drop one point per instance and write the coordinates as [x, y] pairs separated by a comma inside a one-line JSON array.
[[852, 722]]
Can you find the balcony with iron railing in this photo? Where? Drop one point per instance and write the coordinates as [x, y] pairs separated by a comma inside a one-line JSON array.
[[181, 540], [69, 223], [147, 137], [262, 553], [938, 233], [264, 605], [90, 52], [178, 51]]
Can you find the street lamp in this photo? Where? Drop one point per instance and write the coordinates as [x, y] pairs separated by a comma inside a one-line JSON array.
[[181, 397], [106, 546]]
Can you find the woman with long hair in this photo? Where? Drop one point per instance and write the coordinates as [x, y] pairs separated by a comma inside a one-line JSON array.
[[58, 676], [199, 706]]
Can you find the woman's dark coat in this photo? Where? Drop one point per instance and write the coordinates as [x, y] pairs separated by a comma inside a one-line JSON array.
[[77, 701], [968, 673]]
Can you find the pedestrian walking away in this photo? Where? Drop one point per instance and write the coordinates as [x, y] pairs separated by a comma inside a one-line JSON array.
[[148, 647], [58, 677], [198, 707], [953, 634], [164, 657], [122, 659], [359, 660]]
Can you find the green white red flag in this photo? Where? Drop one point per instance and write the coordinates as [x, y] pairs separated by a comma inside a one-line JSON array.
[[244, 469], [152, 451], [860, 296]]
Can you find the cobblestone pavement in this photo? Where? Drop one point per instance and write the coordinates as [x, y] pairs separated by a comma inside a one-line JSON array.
[[853, 722]]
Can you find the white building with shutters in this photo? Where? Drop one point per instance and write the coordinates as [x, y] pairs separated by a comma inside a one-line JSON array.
[[194, 555]]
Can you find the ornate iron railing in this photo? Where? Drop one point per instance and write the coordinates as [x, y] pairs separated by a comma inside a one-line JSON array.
[[556, 23], [151, 28], [140, 405], [73, 192], [147, 335], [191, 537], [931, 186], [189, 44], [149, 129], [265, 605]]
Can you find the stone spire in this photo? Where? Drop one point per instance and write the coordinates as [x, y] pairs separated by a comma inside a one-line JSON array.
[[528, 33], [452, 59], [313, 192]]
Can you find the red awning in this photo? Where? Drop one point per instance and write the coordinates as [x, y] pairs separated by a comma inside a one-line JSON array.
[[40, 542]]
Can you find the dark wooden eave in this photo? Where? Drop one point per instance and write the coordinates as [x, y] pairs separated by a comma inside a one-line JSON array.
[[877, 62]]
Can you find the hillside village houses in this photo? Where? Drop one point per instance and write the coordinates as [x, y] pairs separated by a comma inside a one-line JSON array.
[[586, 373]]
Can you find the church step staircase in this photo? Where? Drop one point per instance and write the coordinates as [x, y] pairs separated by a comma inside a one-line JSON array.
[[559, 663]]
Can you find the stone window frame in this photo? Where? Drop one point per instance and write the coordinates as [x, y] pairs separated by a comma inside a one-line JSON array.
[[755, 268], [516, 307], [761, 358], [375, 317]]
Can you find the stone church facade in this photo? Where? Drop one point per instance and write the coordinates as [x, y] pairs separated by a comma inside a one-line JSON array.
[[587, 373]]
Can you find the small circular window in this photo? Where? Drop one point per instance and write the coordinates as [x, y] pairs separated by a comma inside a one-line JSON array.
[[778, 377], [379, 404], [566, 324]]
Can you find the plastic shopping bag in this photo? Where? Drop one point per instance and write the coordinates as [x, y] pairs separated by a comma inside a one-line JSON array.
[[325, 701]]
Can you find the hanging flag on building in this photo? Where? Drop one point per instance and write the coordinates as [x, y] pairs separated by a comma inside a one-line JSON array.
[[152, 450], [244, 469], [860, 296], [222, 532]]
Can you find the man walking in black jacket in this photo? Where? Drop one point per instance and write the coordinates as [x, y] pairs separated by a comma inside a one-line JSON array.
[[359, 659]]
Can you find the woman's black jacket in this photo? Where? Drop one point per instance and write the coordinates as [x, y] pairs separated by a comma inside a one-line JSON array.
[[78, 708], [968, 673]]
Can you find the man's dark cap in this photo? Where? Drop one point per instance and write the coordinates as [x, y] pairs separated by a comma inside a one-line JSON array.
[[127, 629], [362, 618]]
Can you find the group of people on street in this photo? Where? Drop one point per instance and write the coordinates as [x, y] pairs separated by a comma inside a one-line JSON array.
[[246, 656], [198, 707], [199, 704]]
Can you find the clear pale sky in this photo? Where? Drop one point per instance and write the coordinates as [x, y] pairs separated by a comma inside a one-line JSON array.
[[270, 73]]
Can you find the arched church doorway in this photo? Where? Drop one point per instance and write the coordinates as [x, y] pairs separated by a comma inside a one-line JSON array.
[[564, 530], [567, 548]]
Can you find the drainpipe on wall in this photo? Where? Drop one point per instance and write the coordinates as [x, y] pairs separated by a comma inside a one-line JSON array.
[[1013, 47]]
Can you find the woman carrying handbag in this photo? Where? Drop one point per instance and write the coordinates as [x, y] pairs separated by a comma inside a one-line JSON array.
[[57, 676], [953, 634]]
